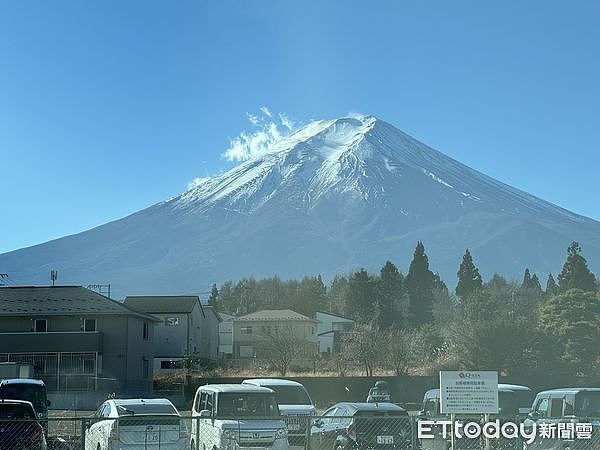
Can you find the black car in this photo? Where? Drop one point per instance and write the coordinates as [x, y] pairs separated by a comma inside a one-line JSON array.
[[19, 428], [362, 425]]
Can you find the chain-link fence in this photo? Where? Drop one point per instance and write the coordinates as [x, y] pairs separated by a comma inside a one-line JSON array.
[[326, 432]]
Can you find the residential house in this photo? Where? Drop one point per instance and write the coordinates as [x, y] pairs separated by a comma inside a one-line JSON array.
[[226, 337], [330, 328], [77, 339], [252, 330], [185, 326]]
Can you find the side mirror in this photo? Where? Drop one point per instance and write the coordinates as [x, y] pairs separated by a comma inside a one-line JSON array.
[[318, 423], [533, 415], [205, 413]]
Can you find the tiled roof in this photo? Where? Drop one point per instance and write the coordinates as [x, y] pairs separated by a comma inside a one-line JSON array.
[[60, 301], [163, 304], [274, 315]]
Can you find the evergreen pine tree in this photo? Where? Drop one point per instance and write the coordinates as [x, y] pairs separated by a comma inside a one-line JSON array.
[[213, 300], [575, 273], [390, 295], [535, 284], [551, 287], [419, 285], [469, 279], [361, 297], [526, 280]]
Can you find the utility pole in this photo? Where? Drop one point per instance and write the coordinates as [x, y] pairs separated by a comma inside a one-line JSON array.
[[53, 276]]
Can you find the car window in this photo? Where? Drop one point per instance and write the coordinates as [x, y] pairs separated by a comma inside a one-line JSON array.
[[16, 411], [331, 412], [201, 404], [106, 410], [556, 408], [542, 407]]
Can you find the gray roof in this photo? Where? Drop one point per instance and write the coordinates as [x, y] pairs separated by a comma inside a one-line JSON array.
[[163, 304], [60, 301], [277, 315]]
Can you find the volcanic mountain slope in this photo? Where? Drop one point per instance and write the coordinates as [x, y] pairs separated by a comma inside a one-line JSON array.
[[335, 196]]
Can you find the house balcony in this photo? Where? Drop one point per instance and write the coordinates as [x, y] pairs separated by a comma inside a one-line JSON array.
[[52, 342]]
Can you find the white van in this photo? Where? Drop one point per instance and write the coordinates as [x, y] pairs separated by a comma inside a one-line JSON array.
[[294, 404], [232, 416]]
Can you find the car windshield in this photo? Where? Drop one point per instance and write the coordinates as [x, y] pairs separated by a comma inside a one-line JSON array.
[[290, 395], [36, 394], [379, 391], [8, 411], [587, 404], [247, 405], [145, 409], [511, 401]]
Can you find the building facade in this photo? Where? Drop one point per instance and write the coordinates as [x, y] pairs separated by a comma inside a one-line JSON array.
[[251, 333], [185, 326], [77, 339], [329, 329]]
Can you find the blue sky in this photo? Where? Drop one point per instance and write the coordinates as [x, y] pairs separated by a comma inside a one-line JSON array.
[[107, 107]]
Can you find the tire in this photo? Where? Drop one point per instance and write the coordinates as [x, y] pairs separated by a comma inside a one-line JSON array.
[[192, 446]]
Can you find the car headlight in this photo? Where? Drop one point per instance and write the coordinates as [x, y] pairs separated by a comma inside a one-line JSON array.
[[229, 435], [281, 433]]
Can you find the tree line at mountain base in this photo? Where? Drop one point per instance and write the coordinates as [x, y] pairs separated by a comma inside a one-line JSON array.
[[413, 324]]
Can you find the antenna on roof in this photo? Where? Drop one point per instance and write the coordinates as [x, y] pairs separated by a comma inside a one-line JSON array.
[[102, 289], [53, 276]]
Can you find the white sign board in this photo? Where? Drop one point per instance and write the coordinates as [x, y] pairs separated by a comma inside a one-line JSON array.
[[469, 392]]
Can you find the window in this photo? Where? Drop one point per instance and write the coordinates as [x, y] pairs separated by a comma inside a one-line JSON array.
[[556, 406], [172, 321], [246, 330], [41, 325], [145, 331], [89, 325], [542, 407], [145, 367], [171, 364]]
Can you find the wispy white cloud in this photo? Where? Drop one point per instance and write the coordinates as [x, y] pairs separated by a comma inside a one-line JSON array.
[[266, 111], [197, 182], [268, 130]]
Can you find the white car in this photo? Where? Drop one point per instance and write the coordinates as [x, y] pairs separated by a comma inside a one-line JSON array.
[[136, 424], [233, 416], [294, 404]]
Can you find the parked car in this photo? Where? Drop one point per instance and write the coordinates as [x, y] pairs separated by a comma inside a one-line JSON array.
[[19, 427], [514, 402], [380, 392], [362, 425], [30, 390], [226, 416], [136, 423], [566, 406], [294, 404]]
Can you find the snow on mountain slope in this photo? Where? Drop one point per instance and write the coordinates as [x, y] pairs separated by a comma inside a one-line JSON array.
[[334, 196]]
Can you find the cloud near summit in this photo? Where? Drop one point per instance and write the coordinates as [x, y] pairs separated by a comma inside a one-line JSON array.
[[269, 129]]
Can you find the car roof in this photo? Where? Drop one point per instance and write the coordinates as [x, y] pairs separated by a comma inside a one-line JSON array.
[[569, 390], [141, 401], [363, 406], [22, 381], [236, 388], [502, 387], [271, 382]]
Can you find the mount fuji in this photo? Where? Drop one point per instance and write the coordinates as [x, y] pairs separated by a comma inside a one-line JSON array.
[[334, 196]]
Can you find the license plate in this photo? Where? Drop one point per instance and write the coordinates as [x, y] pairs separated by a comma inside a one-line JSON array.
[[385, 440], [293, 427], [152, 436]]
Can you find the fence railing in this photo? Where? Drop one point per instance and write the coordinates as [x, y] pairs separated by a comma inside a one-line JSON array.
[[381, 430]]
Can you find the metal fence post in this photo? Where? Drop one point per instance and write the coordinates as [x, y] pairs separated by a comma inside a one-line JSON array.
[[83, 428], [414, 423], [309, 421], [197, 435]]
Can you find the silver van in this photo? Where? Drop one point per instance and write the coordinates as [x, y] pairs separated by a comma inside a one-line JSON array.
[[294, 404], [232, 416]]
